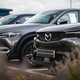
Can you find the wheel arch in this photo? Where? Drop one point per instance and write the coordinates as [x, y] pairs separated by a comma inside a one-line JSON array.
[[24, 39]]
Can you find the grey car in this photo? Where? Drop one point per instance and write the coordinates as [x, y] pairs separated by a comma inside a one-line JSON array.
[[15, 18], [19, 38], [56, 45]]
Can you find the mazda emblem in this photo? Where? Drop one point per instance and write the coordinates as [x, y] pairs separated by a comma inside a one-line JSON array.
[[48, 36]]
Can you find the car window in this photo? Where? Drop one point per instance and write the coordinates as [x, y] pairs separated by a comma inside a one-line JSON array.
[[73, 17], [43, 18], [68, 18], [7, 19], [21, 19]]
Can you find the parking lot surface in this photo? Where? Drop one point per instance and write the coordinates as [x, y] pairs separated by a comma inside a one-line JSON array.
[[21, 70]]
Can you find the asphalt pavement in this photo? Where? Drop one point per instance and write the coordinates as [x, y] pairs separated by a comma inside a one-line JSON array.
[[16, 69]]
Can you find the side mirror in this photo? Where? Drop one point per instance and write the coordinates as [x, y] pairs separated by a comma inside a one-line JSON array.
[[62, 22]]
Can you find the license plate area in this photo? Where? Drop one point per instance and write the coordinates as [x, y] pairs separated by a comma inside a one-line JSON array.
[[45, 53]]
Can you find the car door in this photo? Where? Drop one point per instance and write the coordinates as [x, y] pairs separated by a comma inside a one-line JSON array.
[[70, 17]]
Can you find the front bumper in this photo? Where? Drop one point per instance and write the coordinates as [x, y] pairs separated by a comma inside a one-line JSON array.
[[51, 45], [8, 42], [48, 49]]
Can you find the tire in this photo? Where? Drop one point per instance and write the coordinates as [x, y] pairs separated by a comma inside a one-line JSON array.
[[28, 59], [27, 48], [28, 51]]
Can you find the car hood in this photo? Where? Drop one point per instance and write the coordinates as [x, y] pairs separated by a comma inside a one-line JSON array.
[[60, 28], [23, 28]]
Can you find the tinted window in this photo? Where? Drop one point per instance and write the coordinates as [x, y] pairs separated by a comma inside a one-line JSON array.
[[7, 19], [21, 19], [43, 18], [14, 19]]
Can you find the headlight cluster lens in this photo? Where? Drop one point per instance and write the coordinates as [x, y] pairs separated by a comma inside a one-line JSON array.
[[10, 34]]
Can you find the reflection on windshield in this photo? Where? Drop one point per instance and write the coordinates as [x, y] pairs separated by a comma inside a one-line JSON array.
[[7, 19], [43, 18]]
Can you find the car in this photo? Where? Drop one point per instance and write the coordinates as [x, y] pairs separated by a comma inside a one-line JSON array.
[[4, 12], [19, 38], [58, 43], [15, 19]]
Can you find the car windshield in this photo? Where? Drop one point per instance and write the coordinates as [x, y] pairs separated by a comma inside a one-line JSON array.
[[43, 18], [7, 19]]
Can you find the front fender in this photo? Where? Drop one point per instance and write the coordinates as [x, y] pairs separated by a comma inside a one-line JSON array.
[[69, 43], [72, 41], [17, 49]]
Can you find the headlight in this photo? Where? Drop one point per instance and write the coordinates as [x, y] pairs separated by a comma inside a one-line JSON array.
[[10, 37], [10, 34]]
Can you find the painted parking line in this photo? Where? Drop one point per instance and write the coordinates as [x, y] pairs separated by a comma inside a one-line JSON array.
[[32, 71]]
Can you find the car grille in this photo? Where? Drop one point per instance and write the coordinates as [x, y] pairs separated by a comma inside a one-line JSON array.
[[54, 36], [44, 46]]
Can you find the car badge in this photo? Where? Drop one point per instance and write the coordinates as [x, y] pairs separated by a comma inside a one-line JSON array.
[[48, 36]]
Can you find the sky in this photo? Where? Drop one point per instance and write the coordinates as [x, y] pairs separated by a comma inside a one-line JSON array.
[[35, 5]]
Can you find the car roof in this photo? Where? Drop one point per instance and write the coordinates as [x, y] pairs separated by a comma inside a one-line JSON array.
[[48, 11], [55, 10], [64, 9]]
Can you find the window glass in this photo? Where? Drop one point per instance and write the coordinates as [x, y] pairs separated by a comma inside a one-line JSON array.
[[64, 19], [73, 17], [21, 20], [7, 19], [43, 18], [70, 17]]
